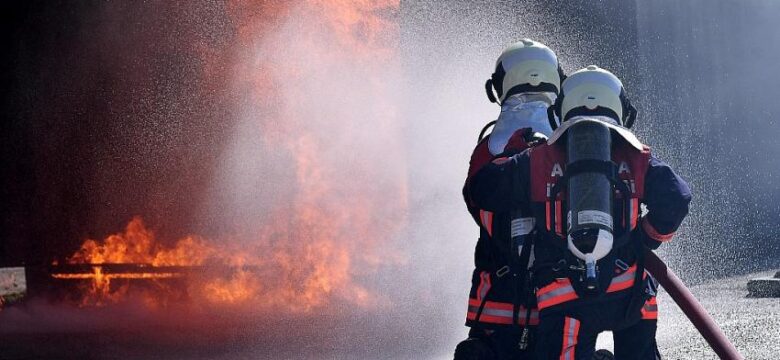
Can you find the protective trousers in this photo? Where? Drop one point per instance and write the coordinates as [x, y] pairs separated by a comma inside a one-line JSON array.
[[570, 333]]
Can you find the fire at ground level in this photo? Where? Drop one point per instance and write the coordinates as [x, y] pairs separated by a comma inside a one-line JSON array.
[[37, 330]]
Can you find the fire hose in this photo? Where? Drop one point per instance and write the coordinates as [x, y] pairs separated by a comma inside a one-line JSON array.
[[691, 307]]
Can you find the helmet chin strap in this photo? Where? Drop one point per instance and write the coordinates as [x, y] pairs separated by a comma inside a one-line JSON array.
[[630, 117], [551, 118], [489, 91], [554, 112]]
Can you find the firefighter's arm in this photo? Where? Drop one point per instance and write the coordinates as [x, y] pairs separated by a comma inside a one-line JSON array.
[[667, 197], [501, 185], [523, 139], [479, 157]]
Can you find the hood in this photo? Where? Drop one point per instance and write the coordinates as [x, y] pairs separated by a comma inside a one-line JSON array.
[[527, 110]]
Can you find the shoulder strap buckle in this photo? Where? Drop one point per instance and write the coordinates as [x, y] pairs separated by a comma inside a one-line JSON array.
[[502, 271]]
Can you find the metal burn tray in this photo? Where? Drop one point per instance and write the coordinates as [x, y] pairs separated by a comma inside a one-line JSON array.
[[764, 287], [128, 271]]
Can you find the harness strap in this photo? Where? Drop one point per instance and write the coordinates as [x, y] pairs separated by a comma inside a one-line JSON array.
[[500, 313], [607, 168], [561, 289], [482, 304], [637, 298], [522, 266], [610, 170], [522, 282], [499, 273]]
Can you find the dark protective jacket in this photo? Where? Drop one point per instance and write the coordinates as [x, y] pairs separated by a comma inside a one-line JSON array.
[[497, 297], [525, 179]]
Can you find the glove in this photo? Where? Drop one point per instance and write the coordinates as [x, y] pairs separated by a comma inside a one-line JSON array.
[[523, 139], [474, 349]]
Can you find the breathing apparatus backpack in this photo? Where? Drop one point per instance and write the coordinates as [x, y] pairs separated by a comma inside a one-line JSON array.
[[592, 106], [590, 182]]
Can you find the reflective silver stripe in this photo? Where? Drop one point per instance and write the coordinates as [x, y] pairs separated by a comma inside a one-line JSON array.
[[522, 226], [628, 275], [485, 286], [485, 217], [554, 293], [571, 340], [492, 312], [651, 308], [504, 313]]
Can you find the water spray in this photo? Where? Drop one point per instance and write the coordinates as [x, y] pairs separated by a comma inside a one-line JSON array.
[[691, 307]]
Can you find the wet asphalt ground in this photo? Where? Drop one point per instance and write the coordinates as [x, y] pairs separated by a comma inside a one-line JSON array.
[[752, 324]]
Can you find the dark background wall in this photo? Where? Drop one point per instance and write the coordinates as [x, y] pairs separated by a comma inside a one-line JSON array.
[[105, 115], [110, 110], [709, 75]]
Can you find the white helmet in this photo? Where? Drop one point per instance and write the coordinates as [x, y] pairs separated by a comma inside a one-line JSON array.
[[594, 91], [525, 66]]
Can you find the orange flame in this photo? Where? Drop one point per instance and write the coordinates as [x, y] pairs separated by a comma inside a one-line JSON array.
[[138, 245], [308, 253], [297, 281]]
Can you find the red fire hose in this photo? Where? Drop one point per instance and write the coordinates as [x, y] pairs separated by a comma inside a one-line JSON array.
[[691, 307]]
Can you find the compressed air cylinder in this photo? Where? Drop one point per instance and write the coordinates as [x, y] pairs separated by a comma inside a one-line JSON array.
[[590, 196]]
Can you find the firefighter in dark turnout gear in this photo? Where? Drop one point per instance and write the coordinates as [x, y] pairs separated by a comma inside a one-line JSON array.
[[585, 187], [500, 304]]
